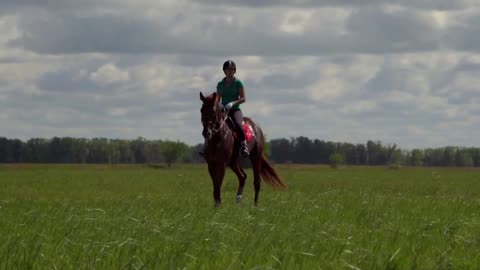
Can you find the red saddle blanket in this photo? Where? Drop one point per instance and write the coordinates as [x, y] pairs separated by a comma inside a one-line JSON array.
[[248, 130]]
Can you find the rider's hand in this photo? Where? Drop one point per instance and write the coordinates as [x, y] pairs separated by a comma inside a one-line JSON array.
[[229, 105]]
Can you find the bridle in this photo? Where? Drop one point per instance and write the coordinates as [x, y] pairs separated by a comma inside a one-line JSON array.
[[211, 131]]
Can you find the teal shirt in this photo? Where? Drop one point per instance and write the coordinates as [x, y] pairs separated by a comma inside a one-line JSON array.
[[230, 92]]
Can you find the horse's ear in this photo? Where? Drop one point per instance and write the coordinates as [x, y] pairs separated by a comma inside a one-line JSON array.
[[214, 95], [202, 98]]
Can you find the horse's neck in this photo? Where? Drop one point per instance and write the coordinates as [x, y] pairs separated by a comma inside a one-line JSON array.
[[220, 137]]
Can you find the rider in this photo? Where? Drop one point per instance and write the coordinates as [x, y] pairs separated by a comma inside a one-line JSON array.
[[231, 92]]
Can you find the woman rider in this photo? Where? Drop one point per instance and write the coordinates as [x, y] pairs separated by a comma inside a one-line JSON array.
[[231, 92]]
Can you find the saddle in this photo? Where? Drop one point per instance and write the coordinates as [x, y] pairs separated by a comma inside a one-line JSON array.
[[247, 129]]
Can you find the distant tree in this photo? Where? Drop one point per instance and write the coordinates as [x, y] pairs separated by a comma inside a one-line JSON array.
[[113, 152], [126, 153], [416, 157], [349, 152], [154, 151], [79, 150], [393, 155], [281, 150], [322, 151], [16, 150], [26, 154], [37, 148], [475, 152], [463, 158], [98, 151], [139, 149], [4, 151], [192, 155], [361, 154], [303, 150], [336, 159], [173, 151], [449, 156], [434, 156], [375, 153], [57, 150]]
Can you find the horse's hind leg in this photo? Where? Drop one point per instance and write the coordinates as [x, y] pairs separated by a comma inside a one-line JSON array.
[[217, 172], [241, 175], [256, 159]]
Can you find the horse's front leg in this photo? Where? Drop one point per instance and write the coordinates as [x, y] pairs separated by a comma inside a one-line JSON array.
[[217, 172], [237, 169]]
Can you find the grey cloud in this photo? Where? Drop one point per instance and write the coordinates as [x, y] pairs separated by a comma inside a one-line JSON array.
[[287, 81], [374, 30], [463, 36], [467, 64], [278, 89], [387, 78], [424, 4], [67, 33], [60, 34], [83, 111], [11, 59], [40, 105], [193, 61], [443, 82], [423, 108], [282, 88], [68, 88], [65, 81], [341, 59], [462, 99], [52, 4]]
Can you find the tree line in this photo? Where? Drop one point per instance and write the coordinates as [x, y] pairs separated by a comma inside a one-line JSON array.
[[96, 150], [306, 151], [301, 150]]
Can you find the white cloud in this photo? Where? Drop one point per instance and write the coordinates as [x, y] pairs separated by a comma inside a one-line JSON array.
[[118, 112], [359, 106], [295, 22], [109, 74]]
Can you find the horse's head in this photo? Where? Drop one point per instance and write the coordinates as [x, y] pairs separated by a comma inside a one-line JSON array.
[[210, 112]]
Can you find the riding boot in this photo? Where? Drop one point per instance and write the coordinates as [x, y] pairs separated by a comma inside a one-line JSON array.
[[244, 149]]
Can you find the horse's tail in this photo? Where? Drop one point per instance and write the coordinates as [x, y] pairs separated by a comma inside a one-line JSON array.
[[269, 174]]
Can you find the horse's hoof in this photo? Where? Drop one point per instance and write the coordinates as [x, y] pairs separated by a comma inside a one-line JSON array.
[[239, 199]]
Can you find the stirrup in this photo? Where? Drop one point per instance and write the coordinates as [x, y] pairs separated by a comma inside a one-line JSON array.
[[244, 152]]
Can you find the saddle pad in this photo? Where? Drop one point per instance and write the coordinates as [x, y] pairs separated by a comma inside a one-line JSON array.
[[248, 130]]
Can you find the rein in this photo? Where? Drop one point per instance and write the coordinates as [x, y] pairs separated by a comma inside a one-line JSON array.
[[222, 122]]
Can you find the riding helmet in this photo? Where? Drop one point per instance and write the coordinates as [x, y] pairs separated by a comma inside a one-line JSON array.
[[229, 64]]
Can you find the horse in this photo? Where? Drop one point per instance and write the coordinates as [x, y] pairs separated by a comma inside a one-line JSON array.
[[222, 151]]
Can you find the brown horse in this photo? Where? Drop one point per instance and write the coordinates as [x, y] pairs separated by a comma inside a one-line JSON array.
[[222, 150]]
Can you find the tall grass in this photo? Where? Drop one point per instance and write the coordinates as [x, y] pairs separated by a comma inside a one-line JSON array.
[[134, 217]]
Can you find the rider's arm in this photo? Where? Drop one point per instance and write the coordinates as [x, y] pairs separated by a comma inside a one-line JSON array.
[[242, 98]]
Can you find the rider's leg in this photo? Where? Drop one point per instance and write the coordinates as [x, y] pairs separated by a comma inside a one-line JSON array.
[[238, 118]]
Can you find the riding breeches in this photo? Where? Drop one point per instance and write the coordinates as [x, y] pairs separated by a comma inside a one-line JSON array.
[[237, 117]]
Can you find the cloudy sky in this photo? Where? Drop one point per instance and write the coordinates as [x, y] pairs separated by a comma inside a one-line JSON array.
[[398, 71]]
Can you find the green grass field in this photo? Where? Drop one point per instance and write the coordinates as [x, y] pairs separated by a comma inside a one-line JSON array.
[[136, 217]]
